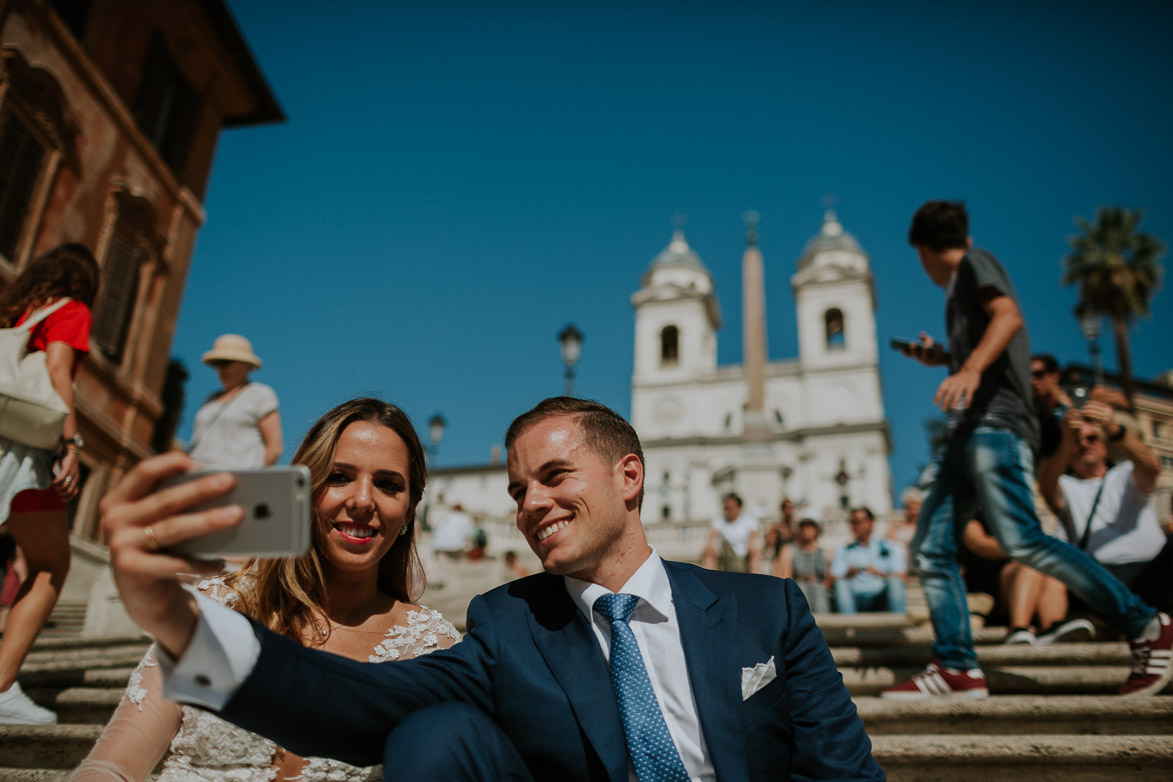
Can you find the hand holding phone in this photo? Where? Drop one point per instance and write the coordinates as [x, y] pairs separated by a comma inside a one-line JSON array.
[[924, 350], [140, 522], [906, 346], [276, 505]]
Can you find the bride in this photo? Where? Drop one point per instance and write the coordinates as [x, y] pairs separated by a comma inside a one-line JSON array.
[[350, 595]]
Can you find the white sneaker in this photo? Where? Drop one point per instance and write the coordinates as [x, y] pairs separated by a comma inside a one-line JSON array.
[[1020, 636], [1073, 631], [16, 708]]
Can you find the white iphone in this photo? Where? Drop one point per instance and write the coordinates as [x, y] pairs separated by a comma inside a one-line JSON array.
[[276, 503]]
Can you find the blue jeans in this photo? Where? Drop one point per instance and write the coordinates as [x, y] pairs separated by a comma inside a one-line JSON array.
[[850, 601], [994, 468]]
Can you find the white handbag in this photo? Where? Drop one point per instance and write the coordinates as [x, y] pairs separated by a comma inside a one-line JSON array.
[[31, 410]]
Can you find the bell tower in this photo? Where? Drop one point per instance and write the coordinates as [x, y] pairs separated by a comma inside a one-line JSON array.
[[835, 300], [676, 318]]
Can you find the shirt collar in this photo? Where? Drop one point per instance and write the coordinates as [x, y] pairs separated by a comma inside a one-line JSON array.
[[649, 583]]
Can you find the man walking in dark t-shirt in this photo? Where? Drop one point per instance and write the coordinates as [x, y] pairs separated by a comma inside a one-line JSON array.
[[989, 461]]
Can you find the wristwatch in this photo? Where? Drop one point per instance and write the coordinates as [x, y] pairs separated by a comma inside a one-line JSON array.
[[74, 439], [1120, 432]]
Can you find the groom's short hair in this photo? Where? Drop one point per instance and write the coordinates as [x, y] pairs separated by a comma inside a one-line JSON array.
[[604, 431]]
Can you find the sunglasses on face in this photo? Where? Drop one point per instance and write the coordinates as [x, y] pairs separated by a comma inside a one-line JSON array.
[[1039, 373], [1091, 439]]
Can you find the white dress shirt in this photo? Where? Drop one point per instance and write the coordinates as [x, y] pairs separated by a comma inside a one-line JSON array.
[[224, 650], [654, 625]]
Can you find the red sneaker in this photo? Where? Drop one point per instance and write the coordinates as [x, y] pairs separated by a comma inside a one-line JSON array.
[[937, 681], [1152, 662]]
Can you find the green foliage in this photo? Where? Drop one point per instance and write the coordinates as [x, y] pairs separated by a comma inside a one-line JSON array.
[[1116, 267]]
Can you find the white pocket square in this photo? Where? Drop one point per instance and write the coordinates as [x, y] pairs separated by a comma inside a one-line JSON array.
[[757, 677]]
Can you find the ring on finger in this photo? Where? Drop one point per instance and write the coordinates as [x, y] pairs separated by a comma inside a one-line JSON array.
[[152, 542]]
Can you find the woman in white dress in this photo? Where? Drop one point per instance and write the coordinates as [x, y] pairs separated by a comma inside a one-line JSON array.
[[237, 426], [350, 595]]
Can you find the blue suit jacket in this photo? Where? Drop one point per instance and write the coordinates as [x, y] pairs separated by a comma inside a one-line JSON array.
[[531, 661]]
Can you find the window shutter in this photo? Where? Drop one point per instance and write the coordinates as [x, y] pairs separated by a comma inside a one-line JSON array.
[[116, 300], [20, 163]]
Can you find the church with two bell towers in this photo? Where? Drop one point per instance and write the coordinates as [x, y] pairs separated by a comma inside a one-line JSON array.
[[810, 428]]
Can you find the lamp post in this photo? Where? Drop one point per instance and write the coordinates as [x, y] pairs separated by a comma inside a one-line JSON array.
[[436, 426], [570, 339], [842, 478], [1089, 326]]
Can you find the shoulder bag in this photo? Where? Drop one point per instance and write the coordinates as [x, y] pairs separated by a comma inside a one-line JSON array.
[[31, 410]]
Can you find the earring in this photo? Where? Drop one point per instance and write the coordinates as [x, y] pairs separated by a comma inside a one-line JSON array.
[[403, 530]]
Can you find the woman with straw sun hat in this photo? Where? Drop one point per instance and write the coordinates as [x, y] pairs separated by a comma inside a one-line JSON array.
[[237, 426]]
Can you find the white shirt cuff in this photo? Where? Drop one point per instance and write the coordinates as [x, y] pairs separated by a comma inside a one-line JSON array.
[[222, 653]]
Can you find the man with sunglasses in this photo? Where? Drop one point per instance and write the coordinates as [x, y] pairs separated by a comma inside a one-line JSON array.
[[1050, 400], [988, 460], [1104, 510]]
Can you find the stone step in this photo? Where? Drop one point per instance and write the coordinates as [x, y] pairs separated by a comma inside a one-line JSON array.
[[958, 755], [61, 675], [1005, 680], [83, 657], [96, 677], [33, 775], [64, 644], [66, 621], [1051, 758], [1112, 654], [1004, 715], [80, 705], [46, 747], [896, 635]]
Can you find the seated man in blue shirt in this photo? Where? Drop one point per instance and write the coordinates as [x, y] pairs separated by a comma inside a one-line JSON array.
[[869, 572]]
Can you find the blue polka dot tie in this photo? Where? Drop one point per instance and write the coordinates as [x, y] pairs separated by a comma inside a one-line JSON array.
[[652, 752]]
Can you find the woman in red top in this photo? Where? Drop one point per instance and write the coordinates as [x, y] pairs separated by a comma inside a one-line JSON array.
[[35, 484]]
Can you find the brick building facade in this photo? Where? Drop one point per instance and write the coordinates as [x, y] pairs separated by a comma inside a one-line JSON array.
[[110, 112]]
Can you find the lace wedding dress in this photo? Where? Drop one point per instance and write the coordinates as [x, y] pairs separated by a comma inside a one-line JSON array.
[[203, 747]]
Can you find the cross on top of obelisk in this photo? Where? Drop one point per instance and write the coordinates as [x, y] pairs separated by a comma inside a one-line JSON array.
[[751, 227]]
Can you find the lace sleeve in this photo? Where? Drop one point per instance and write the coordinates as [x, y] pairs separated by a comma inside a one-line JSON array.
[[426, 631], [138, 734]]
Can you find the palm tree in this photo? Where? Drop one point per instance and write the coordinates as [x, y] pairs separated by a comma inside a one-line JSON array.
[[1117, 270]]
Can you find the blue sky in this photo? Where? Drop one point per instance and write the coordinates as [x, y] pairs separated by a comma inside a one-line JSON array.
[[458, 180]]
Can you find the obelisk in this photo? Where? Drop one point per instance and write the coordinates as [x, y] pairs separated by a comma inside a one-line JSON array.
[[753, 333]]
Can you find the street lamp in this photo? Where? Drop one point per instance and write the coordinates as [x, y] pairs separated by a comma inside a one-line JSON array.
[[1089, 325], [842, 478], [436, 425], [571, 340]]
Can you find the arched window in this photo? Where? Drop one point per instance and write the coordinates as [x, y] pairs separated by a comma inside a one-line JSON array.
[[836, 335], [37, 135], [130, 262], [669, 346]]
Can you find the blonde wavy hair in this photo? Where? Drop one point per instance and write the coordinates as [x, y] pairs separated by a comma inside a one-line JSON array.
[[288, 595]]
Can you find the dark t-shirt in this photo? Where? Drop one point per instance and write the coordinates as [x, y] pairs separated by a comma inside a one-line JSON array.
[[1003, 398]]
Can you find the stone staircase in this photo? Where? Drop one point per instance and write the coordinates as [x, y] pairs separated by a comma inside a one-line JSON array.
[[1054, 715]]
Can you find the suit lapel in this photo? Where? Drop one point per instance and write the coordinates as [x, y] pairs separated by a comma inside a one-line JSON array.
[[572, 652], [708, 632]]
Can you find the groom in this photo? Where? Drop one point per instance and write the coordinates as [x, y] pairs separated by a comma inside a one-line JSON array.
[[612, 665]]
